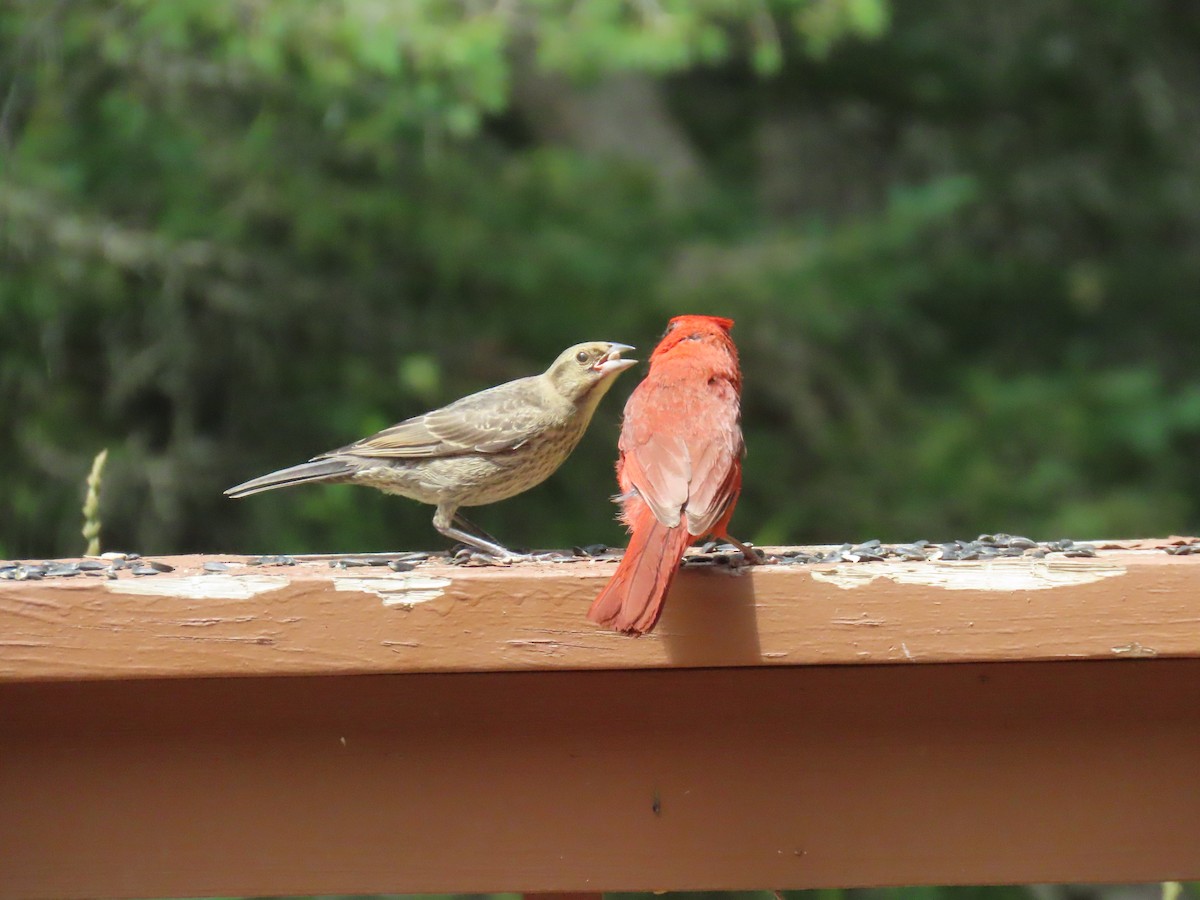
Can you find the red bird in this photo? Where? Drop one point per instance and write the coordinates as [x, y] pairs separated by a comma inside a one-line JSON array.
[[680, 468]]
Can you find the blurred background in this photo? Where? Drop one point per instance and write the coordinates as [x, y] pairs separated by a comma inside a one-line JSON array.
[[961, 243]]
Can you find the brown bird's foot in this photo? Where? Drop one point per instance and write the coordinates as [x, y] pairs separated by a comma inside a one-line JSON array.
[[480, 546], [482, 550], [751, 556], [466, 524], [467, 556]]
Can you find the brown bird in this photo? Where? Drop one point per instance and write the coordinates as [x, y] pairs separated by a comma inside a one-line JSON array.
[[483, 448]]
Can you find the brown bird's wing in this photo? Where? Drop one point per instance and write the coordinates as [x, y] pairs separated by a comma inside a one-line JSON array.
[[492, 421], [692, 466]]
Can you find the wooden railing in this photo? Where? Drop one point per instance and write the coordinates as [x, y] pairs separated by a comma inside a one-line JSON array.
[[464, 728]]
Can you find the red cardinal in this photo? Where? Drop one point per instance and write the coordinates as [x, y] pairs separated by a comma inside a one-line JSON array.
[[680, 468]]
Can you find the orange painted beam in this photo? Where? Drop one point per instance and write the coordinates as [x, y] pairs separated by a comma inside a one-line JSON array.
[[778, 777], [311, 619]]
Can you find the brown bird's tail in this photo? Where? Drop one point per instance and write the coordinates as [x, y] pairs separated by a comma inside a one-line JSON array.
[[632, 600], [317, 470]]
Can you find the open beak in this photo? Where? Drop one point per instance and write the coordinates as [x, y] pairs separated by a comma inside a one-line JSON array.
[[611, 361]]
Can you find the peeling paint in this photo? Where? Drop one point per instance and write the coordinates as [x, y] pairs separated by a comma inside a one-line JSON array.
[[861, 620], [259, 639], [991, 575], [1134, 650], [202, 587], [404, 590], [215, 620]]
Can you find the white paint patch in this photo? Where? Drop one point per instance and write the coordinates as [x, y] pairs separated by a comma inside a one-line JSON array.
[[200, 587], [1134, 650], [404, 590], [988, 575]]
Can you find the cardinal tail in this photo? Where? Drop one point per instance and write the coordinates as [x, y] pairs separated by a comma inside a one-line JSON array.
[[632, 600]]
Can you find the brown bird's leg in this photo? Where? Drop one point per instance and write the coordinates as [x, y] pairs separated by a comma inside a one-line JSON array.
[[442, 521], [467, 525]]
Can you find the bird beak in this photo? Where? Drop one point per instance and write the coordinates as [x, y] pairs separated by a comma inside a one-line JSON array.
[[611, 361]]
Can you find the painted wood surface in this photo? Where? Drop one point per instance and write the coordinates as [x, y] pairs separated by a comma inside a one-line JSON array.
[[773, 777], [313, 619]]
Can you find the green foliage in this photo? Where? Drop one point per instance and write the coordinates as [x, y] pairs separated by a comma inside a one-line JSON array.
[[960, 247]]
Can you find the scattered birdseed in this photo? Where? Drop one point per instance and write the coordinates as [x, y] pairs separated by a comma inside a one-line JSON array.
[[415, 556], [144, 570], [351, 562], [160, 566], [215, 567], [271, 561], [399, 565], [868, 551]]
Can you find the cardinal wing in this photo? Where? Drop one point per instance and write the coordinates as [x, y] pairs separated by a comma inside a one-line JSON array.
[[681, 451], [716, 459]]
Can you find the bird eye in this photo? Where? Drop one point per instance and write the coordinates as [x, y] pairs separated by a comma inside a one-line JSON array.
[[581, 356], [695, 336]]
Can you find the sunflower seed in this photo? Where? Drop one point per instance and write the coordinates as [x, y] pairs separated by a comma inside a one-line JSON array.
[[413, 557], [348, 562], [271, 561]]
